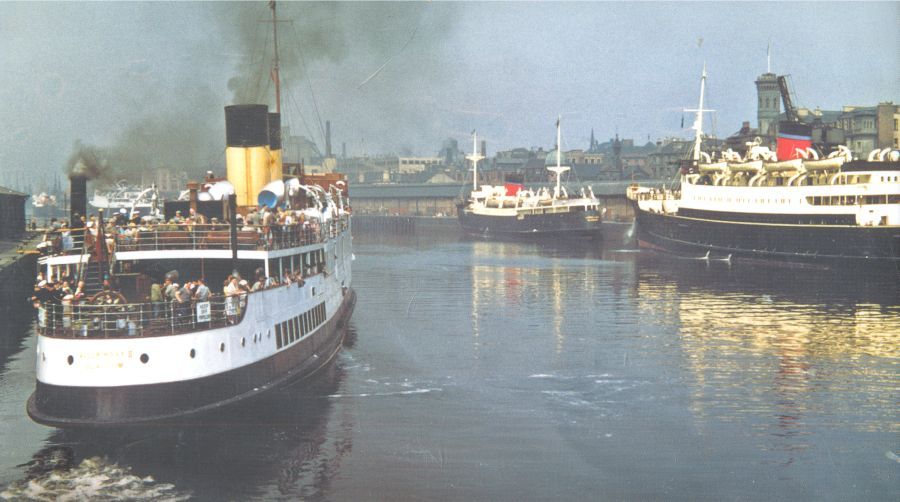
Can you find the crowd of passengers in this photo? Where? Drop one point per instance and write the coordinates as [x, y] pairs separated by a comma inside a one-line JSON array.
[[168, 300], [120, 228]]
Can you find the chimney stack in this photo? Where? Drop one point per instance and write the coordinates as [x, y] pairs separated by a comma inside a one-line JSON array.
[[328, 139], [78, 202], [275, 154], [247, 152]]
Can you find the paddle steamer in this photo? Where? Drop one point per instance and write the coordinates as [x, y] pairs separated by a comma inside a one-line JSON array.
[[114, 354]]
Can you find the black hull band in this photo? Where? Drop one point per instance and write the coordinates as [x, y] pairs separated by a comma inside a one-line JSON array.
[[845, 247], [583, 224], [61, 406]]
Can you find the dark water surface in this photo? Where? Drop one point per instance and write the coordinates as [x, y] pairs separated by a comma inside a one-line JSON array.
[[512, 371]]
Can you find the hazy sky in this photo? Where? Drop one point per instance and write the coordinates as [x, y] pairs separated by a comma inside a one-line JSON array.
[[149, 80]]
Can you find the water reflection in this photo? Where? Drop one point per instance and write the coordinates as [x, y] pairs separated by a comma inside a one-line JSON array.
[[548, 280], [787, 351]]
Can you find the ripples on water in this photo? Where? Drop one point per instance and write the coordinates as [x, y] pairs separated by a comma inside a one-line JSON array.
[[574, 370]]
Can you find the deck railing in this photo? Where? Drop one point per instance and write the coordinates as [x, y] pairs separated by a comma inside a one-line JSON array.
[[657, 194], [190, 236], [140, 319]]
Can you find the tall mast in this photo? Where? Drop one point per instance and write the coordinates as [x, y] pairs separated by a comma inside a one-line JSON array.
[[698, 122], [558, 153], [558, 146], [475, 157], [559, 169], [275, 74]]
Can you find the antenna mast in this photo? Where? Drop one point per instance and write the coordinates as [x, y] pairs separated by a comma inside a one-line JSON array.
[[275, 74]]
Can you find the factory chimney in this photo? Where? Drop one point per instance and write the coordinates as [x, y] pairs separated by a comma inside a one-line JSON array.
[[328, 139]]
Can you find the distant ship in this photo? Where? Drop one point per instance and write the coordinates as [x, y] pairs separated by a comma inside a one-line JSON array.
[[44, 206], [834, 212], [511, 210], [128, 200], [118, 356]]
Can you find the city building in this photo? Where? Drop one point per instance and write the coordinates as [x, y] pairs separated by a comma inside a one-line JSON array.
[[768, 111]]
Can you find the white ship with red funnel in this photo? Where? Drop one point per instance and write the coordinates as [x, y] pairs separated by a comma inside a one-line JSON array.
[[790, 207]]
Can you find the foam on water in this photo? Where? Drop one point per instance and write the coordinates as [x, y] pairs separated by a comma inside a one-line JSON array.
[[385, 394], [93, 479]]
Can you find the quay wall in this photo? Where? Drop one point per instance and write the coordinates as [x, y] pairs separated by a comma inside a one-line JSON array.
[[439, 200], [403, 224], [18, 268]]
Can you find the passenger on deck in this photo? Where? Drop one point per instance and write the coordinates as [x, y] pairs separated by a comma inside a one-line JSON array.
[[201, 291]]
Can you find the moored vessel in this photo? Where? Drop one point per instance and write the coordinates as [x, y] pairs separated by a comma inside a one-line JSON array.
[[128, 200], [512, 210], [830, 211]]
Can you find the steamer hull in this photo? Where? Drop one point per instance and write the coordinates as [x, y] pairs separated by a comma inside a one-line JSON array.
[[578, 223], [846, 247], [103, 406]]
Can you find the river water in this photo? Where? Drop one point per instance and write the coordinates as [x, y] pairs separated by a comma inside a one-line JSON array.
[[481, 370]]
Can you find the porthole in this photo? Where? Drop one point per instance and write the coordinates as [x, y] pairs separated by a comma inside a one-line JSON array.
[[44, 356], [145, 358], [243, 341], [71, 360], [193, 353], [222, 347]]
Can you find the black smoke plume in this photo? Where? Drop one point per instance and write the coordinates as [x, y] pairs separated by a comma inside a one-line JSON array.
[[89, 162]]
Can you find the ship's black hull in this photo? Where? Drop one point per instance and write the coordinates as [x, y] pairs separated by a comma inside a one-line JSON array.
[[843, 247], [63, 406], [573, 224]]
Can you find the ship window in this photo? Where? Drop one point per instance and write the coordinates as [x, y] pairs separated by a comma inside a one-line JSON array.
[[144, 358], [71, 360], [222, 347], [278, 336], [295, 328], [243, 341], [193, 353]]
